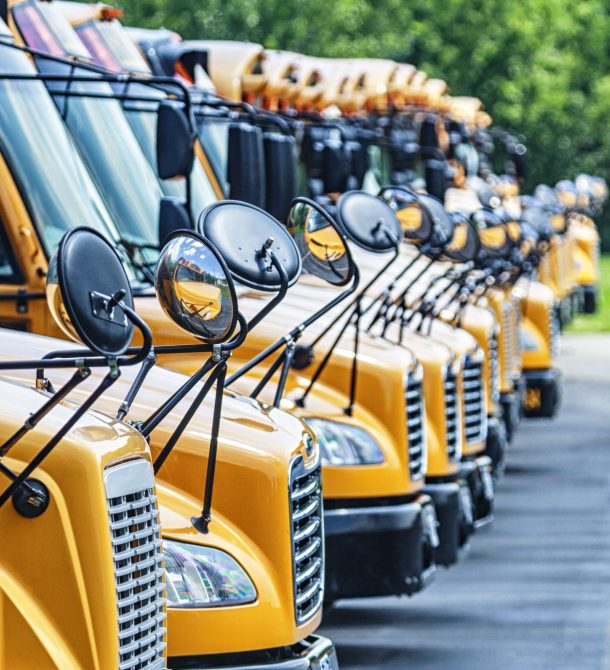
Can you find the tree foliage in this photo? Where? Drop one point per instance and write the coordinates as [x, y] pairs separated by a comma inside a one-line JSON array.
[[541, 68]]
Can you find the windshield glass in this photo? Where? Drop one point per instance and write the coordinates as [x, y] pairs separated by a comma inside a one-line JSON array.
[[110, 47], [54, 184], [214, 137]]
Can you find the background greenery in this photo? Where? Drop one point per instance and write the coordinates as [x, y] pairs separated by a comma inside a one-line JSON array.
[[542, 68]]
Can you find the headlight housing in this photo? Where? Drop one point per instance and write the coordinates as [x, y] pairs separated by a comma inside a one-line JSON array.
[[343, 444], [198, 576]]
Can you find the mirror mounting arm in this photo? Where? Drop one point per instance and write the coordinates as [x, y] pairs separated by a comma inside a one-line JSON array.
[[41, 495], [272, 304]]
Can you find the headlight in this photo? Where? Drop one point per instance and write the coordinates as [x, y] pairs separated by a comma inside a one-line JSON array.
[[204, 577], [342, 444], [527, 340]]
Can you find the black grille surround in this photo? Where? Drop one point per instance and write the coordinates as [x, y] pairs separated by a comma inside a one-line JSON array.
[[452, 416], [307, 532], [475, 417], [416, 425]]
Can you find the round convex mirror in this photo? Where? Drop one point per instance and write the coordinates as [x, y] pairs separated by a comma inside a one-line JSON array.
[[415, 222], [243, 234], [368, 221], [83, 276], [322, 246], [493, 236], [442, 224], [194, 287], [464, 244]]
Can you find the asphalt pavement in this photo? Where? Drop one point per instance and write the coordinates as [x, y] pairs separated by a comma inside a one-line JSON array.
[[534, 592]]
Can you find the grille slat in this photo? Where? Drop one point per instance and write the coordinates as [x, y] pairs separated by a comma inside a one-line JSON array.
[[138, 565], [452, 417], [306, 515], [415, 422], [475, 416]]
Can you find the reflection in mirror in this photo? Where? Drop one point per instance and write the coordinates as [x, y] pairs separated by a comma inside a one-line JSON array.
[[194, 287], [464, 244], [416, 225], [86, 286], [493, 235], [322, 247]]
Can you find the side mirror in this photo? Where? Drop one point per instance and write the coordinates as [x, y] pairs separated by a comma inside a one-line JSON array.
[[441, 222], [368, 221], [247, 238], [246, 169], [464, 244], [195, 288], [280, 172], [493, 236], [86, 284], [335, 166], [173, 216], [322, 246], [175, 141], [436, 178], [415, 222]]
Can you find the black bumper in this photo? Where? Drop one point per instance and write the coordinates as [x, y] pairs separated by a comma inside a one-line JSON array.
[[589, 294], [543, 393], [496, 445], [312, 653], [455, 521], [379, 551], [477, 473]]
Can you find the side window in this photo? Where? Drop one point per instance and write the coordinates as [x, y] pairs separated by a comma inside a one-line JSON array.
[[10, 273]]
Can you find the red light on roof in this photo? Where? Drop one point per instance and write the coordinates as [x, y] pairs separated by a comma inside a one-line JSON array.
[[110, 13]]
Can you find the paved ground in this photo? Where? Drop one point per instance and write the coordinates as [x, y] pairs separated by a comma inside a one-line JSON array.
[[534, 593]]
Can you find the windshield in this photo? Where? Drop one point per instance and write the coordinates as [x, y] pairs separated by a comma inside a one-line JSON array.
[[214, 137], [54, 184], [114, 156], [110, 47]]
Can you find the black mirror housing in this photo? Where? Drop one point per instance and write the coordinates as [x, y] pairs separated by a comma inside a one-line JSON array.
[[280, 173], [173, 216], [246, 169], [175, 141]]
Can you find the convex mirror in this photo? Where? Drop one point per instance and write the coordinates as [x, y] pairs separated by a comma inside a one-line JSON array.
[[246, 237], [464, 244], [322, 246], [415, 222], [195, 288], [86, 285], [368, 221], [493, 236], [442, 224]]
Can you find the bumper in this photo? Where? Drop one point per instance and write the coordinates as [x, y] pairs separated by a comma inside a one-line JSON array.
[[312, 653], [379, 551], [455, 520], [478, 475], [511, 412], [543, 393], [497, 444], [589, 303]]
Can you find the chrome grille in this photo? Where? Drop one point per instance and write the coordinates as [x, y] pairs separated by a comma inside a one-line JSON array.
[[475, 418], [553, 326], [307, 539], [494, 369], [508, 342], [138, 565], [516, 305], [452, 418], [415, 419]]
